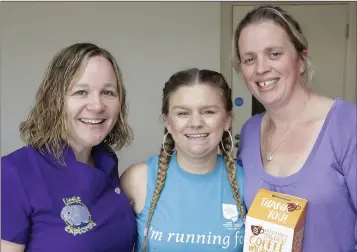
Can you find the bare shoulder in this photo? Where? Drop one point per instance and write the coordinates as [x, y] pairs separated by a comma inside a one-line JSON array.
[[134, 181], [133, 177], [134, 170]]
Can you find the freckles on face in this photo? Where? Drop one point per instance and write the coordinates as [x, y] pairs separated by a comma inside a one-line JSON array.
[[92, 104]]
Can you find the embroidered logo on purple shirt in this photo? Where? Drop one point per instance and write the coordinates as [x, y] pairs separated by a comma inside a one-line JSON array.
[[77, 216]]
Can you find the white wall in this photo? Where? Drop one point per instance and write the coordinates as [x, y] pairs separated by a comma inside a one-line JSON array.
[[350, 90], [150, 40]]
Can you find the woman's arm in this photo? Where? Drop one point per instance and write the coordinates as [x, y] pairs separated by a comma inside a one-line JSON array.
[[134, 181], [349, 166], [7, 246]]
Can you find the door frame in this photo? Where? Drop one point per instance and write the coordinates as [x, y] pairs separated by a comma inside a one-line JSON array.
[[227, 37]]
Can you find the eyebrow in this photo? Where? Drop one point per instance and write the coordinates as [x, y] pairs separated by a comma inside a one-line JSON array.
[[204, 107], [84, 85], [270, 48]]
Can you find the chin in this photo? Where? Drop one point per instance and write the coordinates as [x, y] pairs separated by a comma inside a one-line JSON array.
[[267, 99], [199, 152], [92, 141], [270, 103]]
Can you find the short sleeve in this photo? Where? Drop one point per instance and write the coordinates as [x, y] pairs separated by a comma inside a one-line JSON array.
[[15, 207], [345, 147], [349, 167]]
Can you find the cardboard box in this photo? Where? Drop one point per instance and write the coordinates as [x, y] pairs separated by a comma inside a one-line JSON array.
[[275, 222]]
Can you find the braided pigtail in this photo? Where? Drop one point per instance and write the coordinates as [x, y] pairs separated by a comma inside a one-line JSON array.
[[231, 173], [164, 160]]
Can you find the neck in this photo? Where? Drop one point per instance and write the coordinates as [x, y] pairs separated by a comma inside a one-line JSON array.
[[284, 115], [197, 165], [82, 154]]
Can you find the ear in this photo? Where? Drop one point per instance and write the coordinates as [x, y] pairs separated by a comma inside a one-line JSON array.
[[303, 61], [228, 123], [167, 123]]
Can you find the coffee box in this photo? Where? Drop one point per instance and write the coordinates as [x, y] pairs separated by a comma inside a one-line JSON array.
[[275, 223]]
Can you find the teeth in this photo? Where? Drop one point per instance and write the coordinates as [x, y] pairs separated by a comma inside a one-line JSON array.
[[196, 135], [92, 121], [267, 83]]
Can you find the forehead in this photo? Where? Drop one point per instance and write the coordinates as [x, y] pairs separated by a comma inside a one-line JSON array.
[[97, 70], [261, 35], [197, 95]]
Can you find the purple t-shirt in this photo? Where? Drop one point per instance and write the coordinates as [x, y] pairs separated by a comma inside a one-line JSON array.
[[327, 179], [68, 208]]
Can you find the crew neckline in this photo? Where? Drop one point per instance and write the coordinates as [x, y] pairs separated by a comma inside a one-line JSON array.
[[197, 177]]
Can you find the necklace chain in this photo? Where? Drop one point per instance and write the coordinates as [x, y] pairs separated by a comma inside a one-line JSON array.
[[269, 156]]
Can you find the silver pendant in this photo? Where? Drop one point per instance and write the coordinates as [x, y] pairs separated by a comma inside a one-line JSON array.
[[269, 156]]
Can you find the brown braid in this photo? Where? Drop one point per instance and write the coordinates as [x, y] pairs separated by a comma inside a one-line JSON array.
[[231, 173], [164, 161]]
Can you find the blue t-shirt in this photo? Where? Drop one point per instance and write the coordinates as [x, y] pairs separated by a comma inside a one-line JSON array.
[[68, 208], [194, 212]]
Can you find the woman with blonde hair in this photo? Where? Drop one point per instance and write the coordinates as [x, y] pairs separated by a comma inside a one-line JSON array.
[[61, 191], [304, 144], [188, 198]]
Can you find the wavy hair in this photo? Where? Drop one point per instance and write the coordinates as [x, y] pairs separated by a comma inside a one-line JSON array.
[[45, 126]]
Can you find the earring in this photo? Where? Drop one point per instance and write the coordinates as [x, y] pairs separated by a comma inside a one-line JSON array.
[[163, 146], [232, 147]]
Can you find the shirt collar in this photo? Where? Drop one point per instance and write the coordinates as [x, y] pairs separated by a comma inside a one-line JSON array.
[[104, 158]]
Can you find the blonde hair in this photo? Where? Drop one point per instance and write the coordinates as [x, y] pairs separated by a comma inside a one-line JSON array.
[[187, 78], [45, 126], [285, 21]]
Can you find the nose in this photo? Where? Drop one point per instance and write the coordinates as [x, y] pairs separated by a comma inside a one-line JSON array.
[[196, 120], [262, 66], [95, 103]]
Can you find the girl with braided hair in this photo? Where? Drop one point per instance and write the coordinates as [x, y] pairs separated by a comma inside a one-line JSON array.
[[189, 197]]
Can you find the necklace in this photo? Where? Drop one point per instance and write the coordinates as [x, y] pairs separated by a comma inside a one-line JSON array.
[[269, 157]]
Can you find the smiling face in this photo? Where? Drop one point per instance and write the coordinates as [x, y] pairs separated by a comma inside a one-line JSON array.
[[270, 64], [92, 104], [197, 118]]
